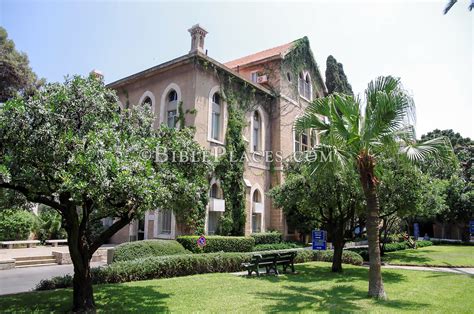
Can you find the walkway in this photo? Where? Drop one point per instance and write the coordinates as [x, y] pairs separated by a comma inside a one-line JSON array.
[[462, 271], [25, 279], [36, 251]]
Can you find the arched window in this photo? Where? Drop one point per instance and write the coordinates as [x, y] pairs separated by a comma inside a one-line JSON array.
[[172, 109], [216, 208], [304, 85], [216, 116], [256, 131], [257, 211], [147, 102], [302, 141], [215, 191]]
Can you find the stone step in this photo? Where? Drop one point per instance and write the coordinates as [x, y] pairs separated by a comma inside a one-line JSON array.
[[37, 265], [39, 262], [33, 258]]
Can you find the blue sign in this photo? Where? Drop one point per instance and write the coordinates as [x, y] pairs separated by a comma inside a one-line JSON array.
[[416, 231], [319, 238], [201, 242], [471, 226]]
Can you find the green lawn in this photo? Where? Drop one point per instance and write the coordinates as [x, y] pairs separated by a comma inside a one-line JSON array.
[[436, 255], [314, 288]]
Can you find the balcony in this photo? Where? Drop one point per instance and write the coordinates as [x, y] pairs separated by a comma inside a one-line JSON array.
[[216, 205], [257, 208]]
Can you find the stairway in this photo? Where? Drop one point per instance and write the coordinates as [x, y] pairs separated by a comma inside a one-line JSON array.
[[32, 261]]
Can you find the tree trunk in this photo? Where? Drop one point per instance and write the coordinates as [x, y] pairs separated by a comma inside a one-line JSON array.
[[83, 297], [366, 165], [338, 242]]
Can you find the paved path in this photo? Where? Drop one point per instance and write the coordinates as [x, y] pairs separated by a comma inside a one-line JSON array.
[[37, 251], [25, 279], [462, 271]]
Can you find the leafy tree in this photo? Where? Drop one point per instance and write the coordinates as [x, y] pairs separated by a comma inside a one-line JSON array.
[[69, 148], [463, 148], [405, 193], [459, 186], [328, 200], [356, 138], [451, 3], [336, 79], [16, 75]]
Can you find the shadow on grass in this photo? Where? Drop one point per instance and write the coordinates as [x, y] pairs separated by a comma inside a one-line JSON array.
[[115, 298], [328, 291], [408, 257], [310, 273]]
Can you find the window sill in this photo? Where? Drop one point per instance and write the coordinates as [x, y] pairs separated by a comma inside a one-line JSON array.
[[211, 140], [164, 236], [308, 100], [258, 153]]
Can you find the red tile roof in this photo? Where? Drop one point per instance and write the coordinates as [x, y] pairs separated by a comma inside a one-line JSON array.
[[280, 50]]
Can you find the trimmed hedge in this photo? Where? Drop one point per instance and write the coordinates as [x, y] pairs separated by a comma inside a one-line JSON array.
[[218, 244], [139, 249], [392, 247], [444, 242], [389, 247], [183, 265], [423, 243], [271, 237], [276, 246]]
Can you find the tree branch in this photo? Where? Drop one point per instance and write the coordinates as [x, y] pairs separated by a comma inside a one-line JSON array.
[[32, 197], [105, 235]]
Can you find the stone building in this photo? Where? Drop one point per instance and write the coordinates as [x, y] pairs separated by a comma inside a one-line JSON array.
[[284, 80]]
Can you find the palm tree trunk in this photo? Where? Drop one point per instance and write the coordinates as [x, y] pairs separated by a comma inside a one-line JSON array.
[[366, 170], [338, 243]]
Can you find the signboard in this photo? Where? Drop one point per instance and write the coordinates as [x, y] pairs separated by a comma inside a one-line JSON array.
[[416, 231], [319, 238], [471, 226], [201, 242]]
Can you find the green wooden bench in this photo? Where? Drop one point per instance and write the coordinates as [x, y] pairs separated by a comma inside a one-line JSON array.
[[270, 261]]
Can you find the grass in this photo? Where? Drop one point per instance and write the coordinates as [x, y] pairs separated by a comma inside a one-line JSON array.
[[313, 288], [437, 255]]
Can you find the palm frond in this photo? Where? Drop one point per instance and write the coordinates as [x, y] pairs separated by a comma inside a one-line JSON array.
[[439, 147], [324, 158], [450, 4], [389, 109], [313, 117]]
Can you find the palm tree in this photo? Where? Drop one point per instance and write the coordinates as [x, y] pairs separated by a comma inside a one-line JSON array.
[[451, 3], [354, 136]]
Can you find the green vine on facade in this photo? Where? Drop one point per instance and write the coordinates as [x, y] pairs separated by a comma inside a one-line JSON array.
[[230, 171], [240, 97], [300, 58]]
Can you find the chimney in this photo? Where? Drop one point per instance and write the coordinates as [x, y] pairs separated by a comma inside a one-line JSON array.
[[97, 74], [197, 38]]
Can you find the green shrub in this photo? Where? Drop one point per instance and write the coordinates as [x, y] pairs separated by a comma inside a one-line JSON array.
[[183, 265], [140, 249], [218, 244], [15, 224], [49, 224], [271, 237], [456, 242], [423, 243], [276, 246], [57, 282], [392, 247], [363, 252]]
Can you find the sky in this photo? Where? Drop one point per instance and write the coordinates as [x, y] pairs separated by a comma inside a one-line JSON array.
[[432, 53]]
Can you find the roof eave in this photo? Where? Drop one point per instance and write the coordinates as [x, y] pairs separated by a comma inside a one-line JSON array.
[[152, 71], [180, 61]]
